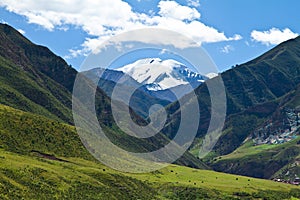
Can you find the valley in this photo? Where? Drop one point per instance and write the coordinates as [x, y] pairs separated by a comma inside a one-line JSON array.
[[43, 157]]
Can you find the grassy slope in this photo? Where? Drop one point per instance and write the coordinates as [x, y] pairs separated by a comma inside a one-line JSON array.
[[37, 178], [23, 86], [23, 132], [265, 161]]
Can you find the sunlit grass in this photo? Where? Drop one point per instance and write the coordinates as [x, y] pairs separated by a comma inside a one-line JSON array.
[[25, 172]]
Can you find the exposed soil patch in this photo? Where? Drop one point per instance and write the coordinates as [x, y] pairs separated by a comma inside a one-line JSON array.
[[47, 156]]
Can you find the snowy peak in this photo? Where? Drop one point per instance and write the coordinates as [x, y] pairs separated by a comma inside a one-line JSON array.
[[159, 74]]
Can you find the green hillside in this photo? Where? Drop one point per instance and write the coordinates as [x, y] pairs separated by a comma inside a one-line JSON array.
[[266, 160], [23, 133], [35, 72], [263, 161], [30, 177]]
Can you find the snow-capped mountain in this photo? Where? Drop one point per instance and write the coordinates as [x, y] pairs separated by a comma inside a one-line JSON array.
[[157, 74]]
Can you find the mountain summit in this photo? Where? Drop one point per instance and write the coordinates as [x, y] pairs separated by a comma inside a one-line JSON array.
[[157, 74]]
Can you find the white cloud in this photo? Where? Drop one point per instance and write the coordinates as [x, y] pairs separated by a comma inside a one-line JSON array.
[[194, 3], [273, 36], [102, 19], [226, 49], [21, 31], [173, 10]]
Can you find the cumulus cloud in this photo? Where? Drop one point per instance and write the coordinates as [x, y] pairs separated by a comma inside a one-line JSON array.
[[173, 10], [102, 19], [273, 36]]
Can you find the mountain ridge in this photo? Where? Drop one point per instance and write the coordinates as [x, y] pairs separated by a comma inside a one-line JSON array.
[[158, 74]]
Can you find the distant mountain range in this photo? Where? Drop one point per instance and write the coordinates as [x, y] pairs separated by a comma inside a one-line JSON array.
[[157, 74], [141, 100], [158, 81]]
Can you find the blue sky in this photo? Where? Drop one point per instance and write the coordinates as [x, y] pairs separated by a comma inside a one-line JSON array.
[[231, 31]]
